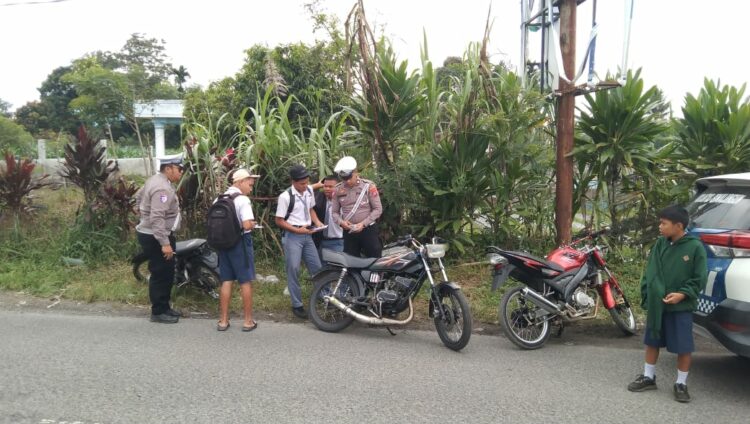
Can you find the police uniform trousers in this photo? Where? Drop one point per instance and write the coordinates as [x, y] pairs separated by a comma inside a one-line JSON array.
[[162, 272], [365, 243]]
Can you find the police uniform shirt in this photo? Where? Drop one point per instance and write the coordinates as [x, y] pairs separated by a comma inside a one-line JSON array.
[[300, 215], [159, 208], [345, 197]]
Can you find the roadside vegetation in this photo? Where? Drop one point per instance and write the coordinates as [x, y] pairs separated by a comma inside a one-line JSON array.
[[461, 150]]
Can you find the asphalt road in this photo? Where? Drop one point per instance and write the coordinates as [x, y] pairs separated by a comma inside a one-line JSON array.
[[59, 367]]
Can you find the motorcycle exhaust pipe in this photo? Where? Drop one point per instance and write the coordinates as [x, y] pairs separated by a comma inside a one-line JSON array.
[[540, 301], [369, 320]]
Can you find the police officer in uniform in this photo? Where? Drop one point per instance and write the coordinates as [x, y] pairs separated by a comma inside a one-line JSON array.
[[160, 218], [356, 208]]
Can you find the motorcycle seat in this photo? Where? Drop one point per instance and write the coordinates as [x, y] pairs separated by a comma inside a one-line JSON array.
[[347, 261], [185, 246], [544, 262]]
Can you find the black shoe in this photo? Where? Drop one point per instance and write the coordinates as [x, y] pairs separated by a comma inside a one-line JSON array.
[[299, 312], [172, 312], [681, 393], [642, 383], [164, 318]]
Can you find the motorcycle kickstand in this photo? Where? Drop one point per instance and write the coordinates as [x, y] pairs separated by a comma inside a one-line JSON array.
[[560, 329], [390, 331]]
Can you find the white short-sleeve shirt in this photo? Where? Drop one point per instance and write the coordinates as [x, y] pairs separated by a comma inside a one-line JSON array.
[[299, 215], [242, 206]]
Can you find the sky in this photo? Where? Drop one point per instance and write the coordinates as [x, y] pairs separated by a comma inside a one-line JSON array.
[[676, 43]]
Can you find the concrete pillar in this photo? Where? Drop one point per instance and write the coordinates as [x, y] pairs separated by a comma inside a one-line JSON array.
[[159, 137], [41, 149]]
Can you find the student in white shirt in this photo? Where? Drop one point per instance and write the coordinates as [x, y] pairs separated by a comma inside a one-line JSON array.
[[297, 240], [238, 262]]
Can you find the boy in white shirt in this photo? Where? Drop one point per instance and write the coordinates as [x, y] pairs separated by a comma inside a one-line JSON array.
[[238, 262]]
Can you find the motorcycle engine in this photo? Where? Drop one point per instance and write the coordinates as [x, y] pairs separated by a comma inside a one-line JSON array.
[[582, 300], [395, 289]]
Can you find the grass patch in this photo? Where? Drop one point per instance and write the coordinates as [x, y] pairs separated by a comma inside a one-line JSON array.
[[33, 249]]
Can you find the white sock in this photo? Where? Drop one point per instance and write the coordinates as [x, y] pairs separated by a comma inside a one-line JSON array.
[[649, 370], [681, 377]]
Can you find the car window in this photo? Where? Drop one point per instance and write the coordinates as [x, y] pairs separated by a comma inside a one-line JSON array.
[[722, 207]]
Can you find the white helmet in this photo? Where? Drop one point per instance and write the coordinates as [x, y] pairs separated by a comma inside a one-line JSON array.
[[345, 166]]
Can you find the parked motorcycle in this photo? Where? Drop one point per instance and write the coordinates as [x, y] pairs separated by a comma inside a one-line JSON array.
[[568, 285], [196, 263], [376, 290]]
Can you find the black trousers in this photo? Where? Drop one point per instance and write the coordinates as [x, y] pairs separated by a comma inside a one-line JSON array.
[[162, 272], [365, 243]]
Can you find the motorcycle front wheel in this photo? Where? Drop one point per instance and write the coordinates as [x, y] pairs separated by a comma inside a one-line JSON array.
[[454, 325], [325, 315], [140, 267], [622, 313], [518, 319]]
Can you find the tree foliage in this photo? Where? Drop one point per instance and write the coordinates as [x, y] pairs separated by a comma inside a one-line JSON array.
[[714, 132]]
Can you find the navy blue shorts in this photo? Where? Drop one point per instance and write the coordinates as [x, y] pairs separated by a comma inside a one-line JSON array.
[[676, 333], [238, 263]]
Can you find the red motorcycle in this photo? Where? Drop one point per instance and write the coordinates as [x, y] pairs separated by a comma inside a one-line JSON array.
[[567, 286]]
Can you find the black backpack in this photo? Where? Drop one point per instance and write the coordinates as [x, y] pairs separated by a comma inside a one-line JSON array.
[[223, 228]]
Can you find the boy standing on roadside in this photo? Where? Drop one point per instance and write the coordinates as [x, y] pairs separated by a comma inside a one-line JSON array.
[[675, 275]]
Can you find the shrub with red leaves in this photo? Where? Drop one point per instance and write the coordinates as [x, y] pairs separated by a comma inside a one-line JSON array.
[[17, 182]]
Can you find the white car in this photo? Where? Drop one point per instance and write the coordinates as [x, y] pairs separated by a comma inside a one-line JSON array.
[[720, 216]]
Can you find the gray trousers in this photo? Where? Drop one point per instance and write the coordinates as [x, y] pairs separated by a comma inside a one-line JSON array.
[[298, 248]]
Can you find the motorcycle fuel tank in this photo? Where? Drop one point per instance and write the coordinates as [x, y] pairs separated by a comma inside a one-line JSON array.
[[567, 257], [396, 260]]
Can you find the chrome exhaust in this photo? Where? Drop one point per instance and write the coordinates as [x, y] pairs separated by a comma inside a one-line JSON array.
[[540, 301], [369, 320]]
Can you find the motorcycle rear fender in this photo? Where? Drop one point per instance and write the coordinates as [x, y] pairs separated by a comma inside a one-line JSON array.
[[336, 271], [442, 288], [499, 277]]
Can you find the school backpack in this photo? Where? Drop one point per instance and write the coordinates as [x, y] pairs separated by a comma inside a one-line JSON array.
[[223, 228]]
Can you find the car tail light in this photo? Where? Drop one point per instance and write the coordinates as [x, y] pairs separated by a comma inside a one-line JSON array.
[[736, 328], [732, 244]]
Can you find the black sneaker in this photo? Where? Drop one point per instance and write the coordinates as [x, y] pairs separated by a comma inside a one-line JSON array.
[[681, 393], [299, 312], [173, 313], [642, 383], [164, 318]]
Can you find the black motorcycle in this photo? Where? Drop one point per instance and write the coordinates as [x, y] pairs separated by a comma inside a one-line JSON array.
[[196, 263], [376, 290]]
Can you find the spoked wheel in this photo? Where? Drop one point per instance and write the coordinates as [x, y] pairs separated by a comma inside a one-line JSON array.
[[622, 313], [522, 321], [454, 324], [209, 281], [324, 314], [140, 267]]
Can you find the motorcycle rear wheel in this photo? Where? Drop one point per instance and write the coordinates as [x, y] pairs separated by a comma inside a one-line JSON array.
[[324, 315], [622, 313], [454, 328], [518, 321], [209, 281]]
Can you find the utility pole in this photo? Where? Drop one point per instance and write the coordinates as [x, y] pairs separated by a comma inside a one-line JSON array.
[[565, 123]]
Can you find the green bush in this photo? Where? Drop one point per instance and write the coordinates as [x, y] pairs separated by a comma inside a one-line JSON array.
[[15, 138]]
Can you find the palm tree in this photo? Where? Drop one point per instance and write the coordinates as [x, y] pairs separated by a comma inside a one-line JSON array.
[[181, 75], [616, 138]]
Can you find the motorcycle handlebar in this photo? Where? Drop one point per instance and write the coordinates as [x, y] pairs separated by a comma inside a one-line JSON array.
[[403, 241]]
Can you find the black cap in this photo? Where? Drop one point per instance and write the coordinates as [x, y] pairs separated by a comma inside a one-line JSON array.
[[298, 172]]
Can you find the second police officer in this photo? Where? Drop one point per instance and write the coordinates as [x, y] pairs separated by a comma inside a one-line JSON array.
[[356, 208]]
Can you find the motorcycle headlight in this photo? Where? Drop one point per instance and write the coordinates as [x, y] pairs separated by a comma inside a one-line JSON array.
[[435, 251]]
